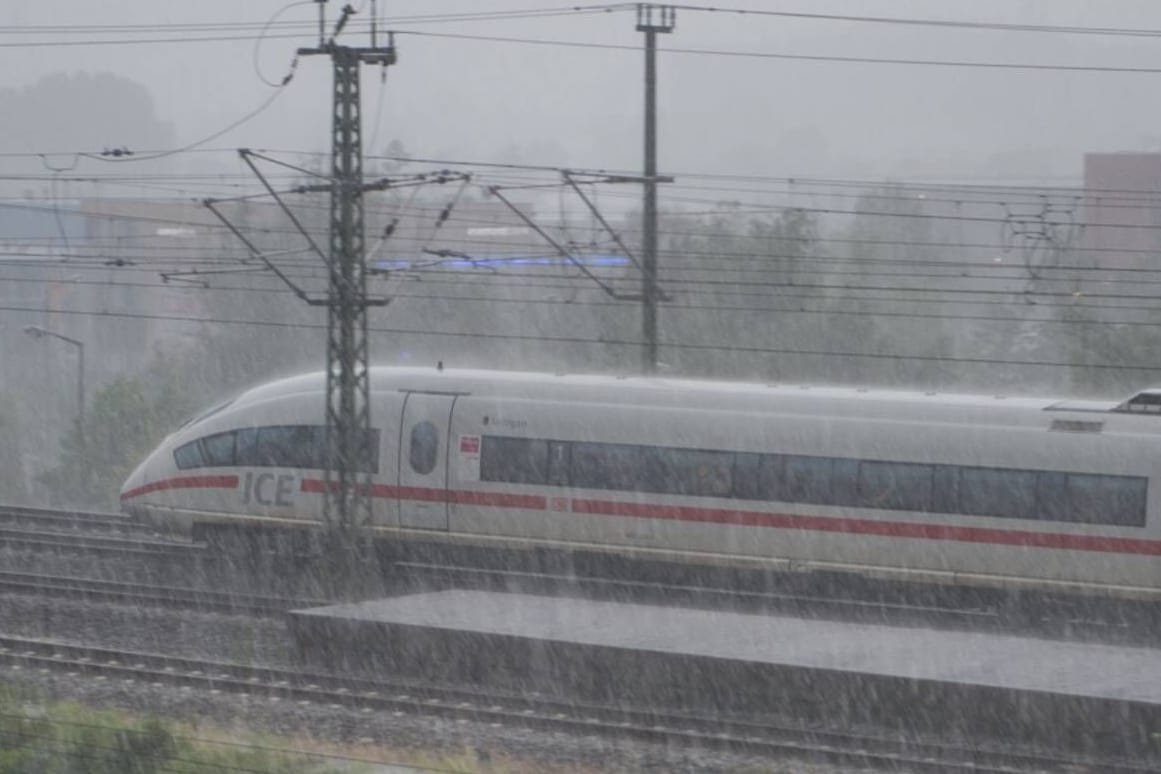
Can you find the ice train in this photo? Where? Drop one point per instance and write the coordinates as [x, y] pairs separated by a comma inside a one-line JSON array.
[[947, 488]]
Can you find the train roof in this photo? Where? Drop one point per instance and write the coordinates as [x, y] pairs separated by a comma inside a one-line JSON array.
[[705, 394]]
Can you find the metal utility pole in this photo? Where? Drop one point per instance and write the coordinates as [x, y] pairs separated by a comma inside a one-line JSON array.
[[651, 19], [37, 332], [346, 498]]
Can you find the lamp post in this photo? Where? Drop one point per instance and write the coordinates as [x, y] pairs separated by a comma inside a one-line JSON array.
[[36, 332]]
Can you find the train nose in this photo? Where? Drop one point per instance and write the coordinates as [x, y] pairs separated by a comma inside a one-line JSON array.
[[133, 485]]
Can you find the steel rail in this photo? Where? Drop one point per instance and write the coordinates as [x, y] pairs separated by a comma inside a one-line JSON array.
[[99, 590], [736, 735], [69, 518]]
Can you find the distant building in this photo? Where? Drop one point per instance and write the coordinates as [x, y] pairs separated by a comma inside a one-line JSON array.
[[1122, 209]]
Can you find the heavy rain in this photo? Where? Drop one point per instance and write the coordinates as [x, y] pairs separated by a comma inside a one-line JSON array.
[[506, 387]]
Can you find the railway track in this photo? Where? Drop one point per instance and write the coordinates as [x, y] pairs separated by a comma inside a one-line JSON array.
[[109, 534], [69, 520], [93, 543], [402, 697], [169, 597]]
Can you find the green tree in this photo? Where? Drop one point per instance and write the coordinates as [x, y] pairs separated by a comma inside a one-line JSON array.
[[733, 277], [892, 226], [124, 421]]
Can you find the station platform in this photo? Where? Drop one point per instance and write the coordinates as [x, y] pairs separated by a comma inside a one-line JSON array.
[[1099, 698]]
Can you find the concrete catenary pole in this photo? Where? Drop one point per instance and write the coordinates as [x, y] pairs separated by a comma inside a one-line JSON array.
[[651, 19]]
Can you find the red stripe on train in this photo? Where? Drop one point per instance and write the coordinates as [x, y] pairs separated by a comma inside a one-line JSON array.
[[870, 527], [500, 500], [898, 529], [433, 495], [183, 482]]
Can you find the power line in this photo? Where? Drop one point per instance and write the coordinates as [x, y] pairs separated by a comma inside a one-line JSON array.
[[579, 340], [677, 305], [310, 25], [693, 272], [944, 23], [1029, 66], [628, 228], [229, 32], [957, 193]]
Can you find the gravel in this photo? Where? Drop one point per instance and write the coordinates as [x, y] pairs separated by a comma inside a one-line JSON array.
[[184, 633]]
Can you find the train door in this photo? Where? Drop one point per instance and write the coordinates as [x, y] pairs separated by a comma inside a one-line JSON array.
[[423, 460]]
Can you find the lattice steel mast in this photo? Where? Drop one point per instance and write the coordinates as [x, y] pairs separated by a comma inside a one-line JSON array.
[[347, 500]]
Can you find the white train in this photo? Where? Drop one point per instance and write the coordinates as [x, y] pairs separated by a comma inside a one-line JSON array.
[[945, 488]]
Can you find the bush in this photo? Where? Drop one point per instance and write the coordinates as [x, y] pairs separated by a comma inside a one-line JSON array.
[[70, 739]]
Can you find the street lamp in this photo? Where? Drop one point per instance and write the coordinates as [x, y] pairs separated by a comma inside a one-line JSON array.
[[36, 332]]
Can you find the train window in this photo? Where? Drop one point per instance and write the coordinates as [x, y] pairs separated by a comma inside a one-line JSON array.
[[370, 447], [286, 446], [772, 477], [945, 489], [808, 480], [606, 466], [896, 486], [314, 447], [899, 486], [514, 460], [1009, 494], [282, 446], [844, 482], [245, 444], [1052, 498], [266, 451], [747, 477], [559, 454], [308, 446], [688, 472], [424, 448], [188, 456], [1116, 500], [218, 450]]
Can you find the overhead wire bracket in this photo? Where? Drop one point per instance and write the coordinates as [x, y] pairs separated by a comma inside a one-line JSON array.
[[562, 250], [261, 256], [245, 154]]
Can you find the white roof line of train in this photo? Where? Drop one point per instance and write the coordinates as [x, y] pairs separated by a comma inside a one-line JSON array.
[[484, 382]]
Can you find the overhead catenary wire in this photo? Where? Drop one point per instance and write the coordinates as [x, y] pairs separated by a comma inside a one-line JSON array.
[[720, 255], [689, 277], [772, 55], [589, 341], [799, 302], [261, 108], [957, 24], [310, 25], [756, 210], [880, 189], [727, 53], [686, 267]]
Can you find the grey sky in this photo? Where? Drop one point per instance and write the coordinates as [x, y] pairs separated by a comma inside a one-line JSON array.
[[582, 107]]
